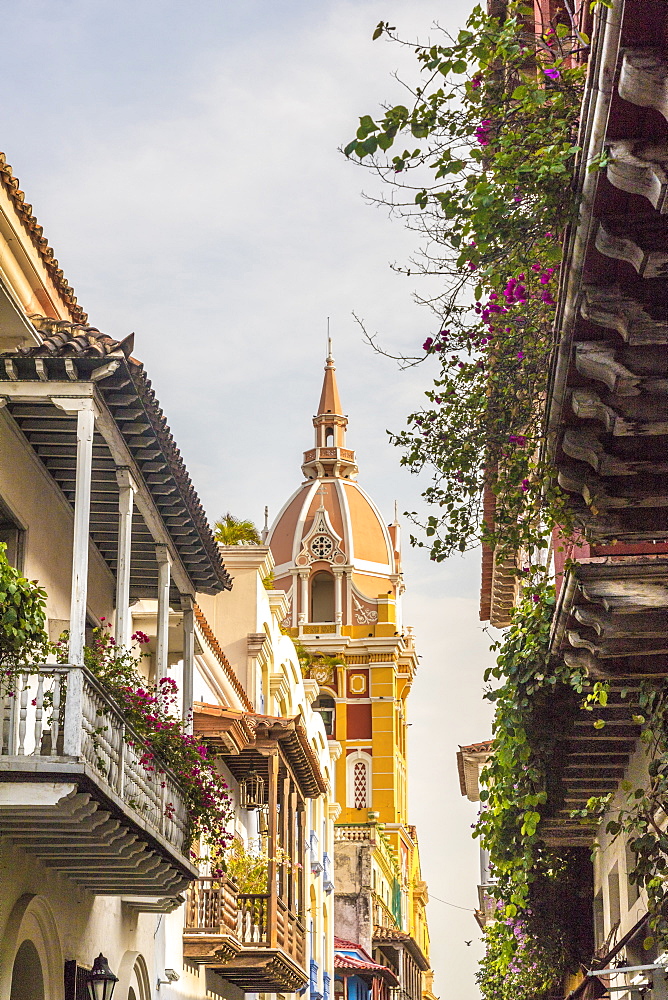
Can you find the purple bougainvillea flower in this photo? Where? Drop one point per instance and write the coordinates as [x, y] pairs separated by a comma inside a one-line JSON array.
[[552, 73], [427, 344], [520, 355]]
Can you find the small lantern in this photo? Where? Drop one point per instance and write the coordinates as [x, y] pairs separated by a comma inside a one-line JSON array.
[[101, 981], [251, 791]]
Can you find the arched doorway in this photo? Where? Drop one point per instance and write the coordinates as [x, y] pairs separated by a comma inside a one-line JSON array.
[[322, 597], [27, 976]]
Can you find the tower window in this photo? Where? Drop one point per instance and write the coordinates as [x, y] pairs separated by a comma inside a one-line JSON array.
[[358, 780], [322, 597], [327, 708], [329, 437]]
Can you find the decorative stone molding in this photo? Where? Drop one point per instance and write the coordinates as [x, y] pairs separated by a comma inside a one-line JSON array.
[[640, 168], [643, 79], [607, 306], [322, 544], [364, 613]]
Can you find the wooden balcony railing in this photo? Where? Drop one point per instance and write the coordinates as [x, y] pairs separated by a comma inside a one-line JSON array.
[[215, 908], [212, 906], [60, 711]]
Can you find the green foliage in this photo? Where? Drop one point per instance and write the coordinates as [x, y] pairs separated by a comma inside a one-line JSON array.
[[23, 638], [485, 177], [308, 659], [249, 869], [639, 820], [532, 941], [231, 530]]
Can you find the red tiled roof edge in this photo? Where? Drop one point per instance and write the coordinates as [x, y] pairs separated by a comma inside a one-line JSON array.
[[166, 440], [215, 648], [36, 232]]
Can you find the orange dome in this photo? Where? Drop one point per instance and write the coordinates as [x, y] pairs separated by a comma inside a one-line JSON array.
[[333, 552]]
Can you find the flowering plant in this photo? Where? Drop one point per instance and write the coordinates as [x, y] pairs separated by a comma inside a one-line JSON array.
[[487, 182], [162, 741]]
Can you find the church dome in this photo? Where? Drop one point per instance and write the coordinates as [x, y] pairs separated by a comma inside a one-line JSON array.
[[334, 554]]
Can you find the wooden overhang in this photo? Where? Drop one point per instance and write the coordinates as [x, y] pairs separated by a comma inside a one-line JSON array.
[[71, 358], [395, 938], [244, 738], [608, 392], [611, 622], [607, 405]]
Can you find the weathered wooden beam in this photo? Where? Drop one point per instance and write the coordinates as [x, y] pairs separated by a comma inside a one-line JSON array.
[[587, 405], [643, 79], [624, 245], [596, 360], [639, 167], [608, 306]]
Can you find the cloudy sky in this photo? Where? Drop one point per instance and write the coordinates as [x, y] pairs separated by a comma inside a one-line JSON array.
[[183, 160]]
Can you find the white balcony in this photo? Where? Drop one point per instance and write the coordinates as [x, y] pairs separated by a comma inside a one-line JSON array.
[[74, 793]]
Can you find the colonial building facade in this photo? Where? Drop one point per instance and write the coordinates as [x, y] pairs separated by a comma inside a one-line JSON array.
[[339, 565]]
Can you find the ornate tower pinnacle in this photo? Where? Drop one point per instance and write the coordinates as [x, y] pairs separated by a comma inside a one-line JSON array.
[[330, 457]]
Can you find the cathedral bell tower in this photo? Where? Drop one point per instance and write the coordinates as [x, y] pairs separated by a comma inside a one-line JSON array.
[[330, 458]]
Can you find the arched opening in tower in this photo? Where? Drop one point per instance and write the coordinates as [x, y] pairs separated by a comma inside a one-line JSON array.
[[322, 597], [329, 437]]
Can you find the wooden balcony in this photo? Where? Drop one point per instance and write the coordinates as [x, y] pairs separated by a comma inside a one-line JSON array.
[[74, 793], [252, 940]]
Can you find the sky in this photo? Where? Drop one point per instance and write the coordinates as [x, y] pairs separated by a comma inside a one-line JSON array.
[[184, 161]]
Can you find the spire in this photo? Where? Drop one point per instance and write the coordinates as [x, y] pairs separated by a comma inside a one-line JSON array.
[[330, 401], [330, 457]]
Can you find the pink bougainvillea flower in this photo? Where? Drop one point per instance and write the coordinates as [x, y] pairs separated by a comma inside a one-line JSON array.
[[552, 73]]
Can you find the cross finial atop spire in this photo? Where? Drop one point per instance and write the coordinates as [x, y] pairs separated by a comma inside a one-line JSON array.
[[330, 356]]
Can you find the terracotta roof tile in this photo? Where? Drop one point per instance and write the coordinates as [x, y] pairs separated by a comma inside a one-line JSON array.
[[36, 233]]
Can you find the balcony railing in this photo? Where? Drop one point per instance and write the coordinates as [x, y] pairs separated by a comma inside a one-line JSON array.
[[214, 906], [251, 939], [60, 722]]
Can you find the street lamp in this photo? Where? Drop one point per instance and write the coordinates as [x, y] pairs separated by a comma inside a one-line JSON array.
[[101, 981], [251, 789]]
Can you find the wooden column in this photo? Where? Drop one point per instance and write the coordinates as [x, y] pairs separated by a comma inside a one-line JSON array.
[[272, 767], [188, 609], [292, 851], [81, 540], [126, 492], [164, 579], [301, 842], [86, 412], [285, 810]]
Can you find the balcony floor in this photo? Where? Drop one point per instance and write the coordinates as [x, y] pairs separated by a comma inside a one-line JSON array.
[[61, 810]]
